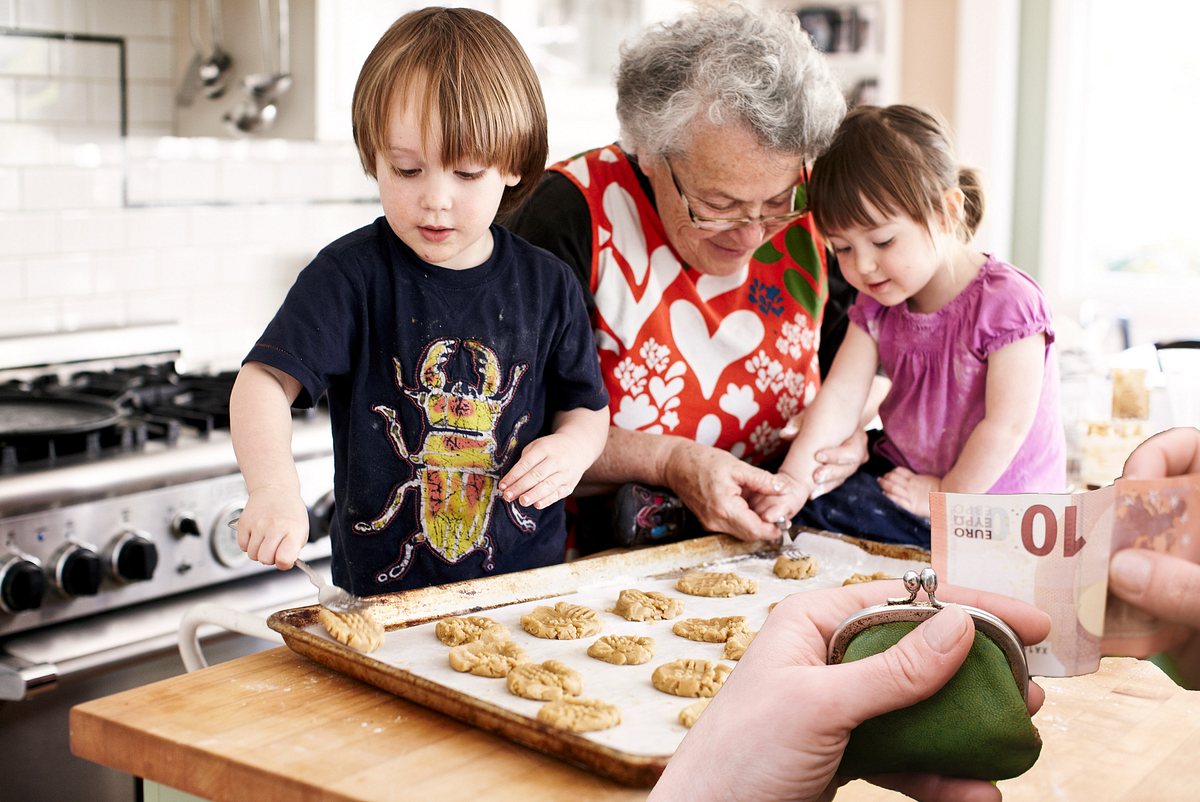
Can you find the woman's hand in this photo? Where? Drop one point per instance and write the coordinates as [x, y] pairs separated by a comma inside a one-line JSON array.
[[779, 726], [717, 487]]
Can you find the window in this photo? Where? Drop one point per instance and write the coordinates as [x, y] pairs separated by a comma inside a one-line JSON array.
[[1122, 165]]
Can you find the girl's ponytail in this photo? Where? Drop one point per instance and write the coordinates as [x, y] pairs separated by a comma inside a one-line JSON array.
[[968, 182]]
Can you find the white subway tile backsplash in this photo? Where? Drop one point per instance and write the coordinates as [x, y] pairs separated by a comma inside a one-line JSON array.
[[126, 271], [57, 276], [52, 100], [70, 187], [10, 189], [23, 317], [76, 59], [93, 311], [12, 279], [92, 231], [23, 233], [8, 100], [186, 267], [150, 60], [104, 102], [24, 56], [150, 104], [151, 228], [131, 17]]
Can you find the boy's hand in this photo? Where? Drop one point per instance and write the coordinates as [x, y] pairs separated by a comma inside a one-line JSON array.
[[273, 526], [549, 469], [785, 505], [910, 490]]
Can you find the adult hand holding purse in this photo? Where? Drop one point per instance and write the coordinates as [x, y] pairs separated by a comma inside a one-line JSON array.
[[977, 725]]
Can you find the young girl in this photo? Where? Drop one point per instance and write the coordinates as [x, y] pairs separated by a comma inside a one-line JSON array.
[[964, 338], [463, 386]]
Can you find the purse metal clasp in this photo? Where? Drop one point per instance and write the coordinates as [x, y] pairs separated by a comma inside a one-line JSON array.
[[909, 609]]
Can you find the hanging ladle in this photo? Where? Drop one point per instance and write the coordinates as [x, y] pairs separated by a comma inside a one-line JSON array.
[[214, 71], [258, 111]]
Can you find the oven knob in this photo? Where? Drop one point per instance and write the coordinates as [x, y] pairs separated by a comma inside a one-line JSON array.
[[186, 525], [133, 557], [320, 517], [22, 585], [78, 571]]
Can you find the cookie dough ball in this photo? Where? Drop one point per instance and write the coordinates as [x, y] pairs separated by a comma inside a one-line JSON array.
[[622, 650], [688, 716], [709, 630], [358, 630], [563, 621], [545, 682], [650, 605], [457, 630], [706, 583], [795, 567], [688, 677], [855, 579], [487, 658], [735, 647], [580, 715]]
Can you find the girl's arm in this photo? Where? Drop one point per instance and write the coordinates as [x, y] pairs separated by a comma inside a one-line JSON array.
[[831, 418], [274, 523], [550, 467], [1013, 392]]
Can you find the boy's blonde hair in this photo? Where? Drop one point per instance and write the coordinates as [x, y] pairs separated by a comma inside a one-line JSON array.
[[465, 70], [900, 160]]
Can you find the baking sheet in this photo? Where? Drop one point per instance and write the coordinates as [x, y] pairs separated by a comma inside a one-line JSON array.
[[413, 663]]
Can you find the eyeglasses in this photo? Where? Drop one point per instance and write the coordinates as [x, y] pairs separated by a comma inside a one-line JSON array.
[[798, 196]]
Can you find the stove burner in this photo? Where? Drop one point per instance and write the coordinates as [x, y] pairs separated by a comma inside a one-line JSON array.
[[49, 422]]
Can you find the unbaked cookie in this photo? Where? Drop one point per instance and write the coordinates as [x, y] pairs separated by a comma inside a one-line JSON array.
[[580, 715], [854, 579], [487, 657], [622, 650], [689, 677], [357, 630], [457, 630], [688, 716], [545, 682], [795, 567], [650, 605], [563, 621], [735, 647], [706, 583], [709, 630]]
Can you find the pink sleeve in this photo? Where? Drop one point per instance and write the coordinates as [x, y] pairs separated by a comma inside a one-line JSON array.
[[1013, 307], [865, 313]]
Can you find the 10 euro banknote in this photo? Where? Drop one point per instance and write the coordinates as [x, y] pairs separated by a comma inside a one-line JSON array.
[[1053, 550]]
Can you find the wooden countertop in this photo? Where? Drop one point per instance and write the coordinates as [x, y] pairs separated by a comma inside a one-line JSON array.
[[276, 726]]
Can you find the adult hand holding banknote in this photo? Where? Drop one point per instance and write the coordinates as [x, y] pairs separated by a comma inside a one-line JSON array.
[[1054, 550], [1165, 586]]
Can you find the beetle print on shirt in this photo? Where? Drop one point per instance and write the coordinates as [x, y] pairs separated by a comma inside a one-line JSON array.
[[458, 465]]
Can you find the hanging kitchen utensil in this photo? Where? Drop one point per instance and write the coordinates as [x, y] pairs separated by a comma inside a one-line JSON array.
[[214, 70], [258, 111], [192, 80]]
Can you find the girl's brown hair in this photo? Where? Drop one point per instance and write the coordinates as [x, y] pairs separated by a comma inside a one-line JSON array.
[[899, 160], [464, 70]]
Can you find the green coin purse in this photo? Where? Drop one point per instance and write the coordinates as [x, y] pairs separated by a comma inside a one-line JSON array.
[[976, 726]]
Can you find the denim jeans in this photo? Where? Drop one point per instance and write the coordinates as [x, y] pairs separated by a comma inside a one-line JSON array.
[[858, 507]]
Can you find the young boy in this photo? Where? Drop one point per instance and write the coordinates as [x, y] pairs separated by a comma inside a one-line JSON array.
[[446, 345]]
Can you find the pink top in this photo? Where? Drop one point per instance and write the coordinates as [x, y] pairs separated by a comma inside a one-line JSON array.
[[938, 366]]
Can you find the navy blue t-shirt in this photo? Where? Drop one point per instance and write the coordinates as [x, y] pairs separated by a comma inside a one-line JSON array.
[[436, 380]]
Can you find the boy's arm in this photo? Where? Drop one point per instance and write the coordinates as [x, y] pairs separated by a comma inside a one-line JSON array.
[[550, 467], [1011, 398], [832, 417], [274, 523]]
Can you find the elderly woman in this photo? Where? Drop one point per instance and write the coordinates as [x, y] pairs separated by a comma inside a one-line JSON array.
[[709, 285]]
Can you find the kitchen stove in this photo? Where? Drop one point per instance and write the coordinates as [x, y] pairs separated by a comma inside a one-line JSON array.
[[117, 483]]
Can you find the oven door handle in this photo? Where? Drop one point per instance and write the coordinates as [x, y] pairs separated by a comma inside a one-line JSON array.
[[210, 613], [20, 679]]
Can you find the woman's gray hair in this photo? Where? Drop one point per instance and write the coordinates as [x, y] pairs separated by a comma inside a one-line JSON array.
[[732, 65]]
